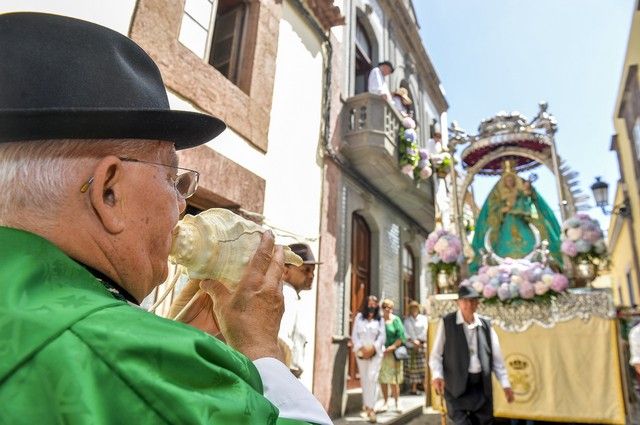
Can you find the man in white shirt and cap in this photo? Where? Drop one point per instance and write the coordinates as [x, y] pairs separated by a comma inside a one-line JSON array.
[[465, 353], [377, 83], [295, 279]]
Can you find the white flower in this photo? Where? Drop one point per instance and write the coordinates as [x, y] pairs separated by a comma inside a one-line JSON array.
[[574, 233], [478, 286], [441, 245]]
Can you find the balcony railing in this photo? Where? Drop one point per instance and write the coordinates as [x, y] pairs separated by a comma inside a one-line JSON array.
[[370, 143]]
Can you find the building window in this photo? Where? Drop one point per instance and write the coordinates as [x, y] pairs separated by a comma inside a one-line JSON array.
[[408, 277], [364, 61], [219, 31], [227, 43]]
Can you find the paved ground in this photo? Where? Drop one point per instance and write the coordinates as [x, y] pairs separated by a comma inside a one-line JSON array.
[[429, 417]]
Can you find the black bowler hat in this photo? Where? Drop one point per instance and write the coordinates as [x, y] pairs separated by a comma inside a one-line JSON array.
[[63, 78], [304, 251], [467, 292]]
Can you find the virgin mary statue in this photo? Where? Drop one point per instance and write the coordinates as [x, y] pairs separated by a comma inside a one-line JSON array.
[[511, 207]]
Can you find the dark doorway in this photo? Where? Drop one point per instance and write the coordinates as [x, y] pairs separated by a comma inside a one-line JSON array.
[[360, 281]]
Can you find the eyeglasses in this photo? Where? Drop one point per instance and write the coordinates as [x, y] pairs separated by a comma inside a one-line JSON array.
[[185, 183]]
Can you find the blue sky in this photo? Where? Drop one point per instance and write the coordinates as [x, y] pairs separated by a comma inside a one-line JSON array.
[[508, 55]]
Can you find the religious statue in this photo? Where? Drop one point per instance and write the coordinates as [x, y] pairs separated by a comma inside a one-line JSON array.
[[514, 220]]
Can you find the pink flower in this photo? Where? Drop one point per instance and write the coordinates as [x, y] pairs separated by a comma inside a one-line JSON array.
[[559, 282], [483, 277], [441, 245], [527, 290], [408, 122], [408, 170], [489, 291], [426, 172], [569, 247]]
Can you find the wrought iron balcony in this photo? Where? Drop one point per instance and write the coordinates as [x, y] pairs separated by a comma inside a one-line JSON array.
[[370, 126]]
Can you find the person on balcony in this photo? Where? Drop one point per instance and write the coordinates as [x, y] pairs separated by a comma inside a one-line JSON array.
[[402, 102], [377, 79]]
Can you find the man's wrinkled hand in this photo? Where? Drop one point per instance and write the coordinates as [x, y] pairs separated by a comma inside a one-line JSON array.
[[508, 393], [438, 385], [200, 314], [249, 317]]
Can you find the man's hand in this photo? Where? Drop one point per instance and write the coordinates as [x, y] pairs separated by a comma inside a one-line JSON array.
[[249, 317], [508, 393], [637, 368], [438, 385], [200, 313], [417, 343]]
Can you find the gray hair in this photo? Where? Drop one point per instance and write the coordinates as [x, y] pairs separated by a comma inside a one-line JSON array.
[[35, 176]]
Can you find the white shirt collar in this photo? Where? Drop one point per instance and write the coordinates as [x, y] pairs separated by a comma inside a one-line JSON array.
[[476, 320]]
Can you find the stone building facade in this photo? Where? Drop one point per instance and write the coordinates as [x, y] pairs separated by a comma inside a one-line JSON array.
[[375, 219]]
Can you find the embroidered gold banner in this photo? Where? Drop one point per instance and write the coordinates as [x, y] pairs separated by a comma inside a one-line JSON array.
[[567, 373]]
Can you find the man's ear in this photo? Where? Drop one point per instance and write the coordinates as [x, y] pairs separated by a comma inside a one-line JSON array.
[[106, 194]]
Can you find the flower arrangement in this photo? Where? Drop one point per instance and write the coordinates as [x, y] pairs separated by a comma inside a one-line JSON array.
[[583, 239], [408, 147], [442, 163], [423, 170], [517, 280], [444, 250]]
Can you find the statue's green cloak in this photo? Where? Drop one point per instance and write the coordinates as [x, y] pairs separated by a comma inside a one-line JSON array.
[[510, 233]]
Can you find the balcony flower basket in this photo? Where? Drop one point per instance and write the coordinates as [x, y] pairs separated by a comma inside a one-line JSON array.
[[408, 147], [442, 163], [444, 250], [517, 281], [423, 170]]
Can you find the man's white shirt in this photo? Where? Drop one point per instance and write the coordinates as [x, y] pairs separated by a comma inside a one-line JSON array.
[[471, 333], [377, 83]]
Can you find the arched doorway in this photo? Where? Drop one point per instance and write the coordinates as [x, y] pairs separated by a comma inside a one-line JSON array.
[[360, 281]]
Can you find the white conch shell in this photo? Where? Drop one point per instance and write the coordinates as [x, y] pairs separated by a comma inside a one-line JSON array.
[[218, 244]]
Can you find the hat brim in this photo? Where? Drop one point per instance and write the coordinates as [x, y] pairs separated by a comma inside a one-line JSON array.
[[185, 129], [312, 262]]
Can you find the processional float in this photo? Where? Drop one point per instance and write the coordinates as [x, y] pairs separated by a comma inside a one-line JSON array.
[[544, 328]]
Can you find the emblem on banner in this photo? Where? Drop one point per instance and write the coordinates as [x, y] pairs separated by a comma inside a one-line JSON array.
[[522, 376]]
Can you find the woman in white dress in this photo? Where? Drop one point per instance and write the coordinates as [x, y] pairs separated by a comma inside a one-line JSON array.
[[368, 338]]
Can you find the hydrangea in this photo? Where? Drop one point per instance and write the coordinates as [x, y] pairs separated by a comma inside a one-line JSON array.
[[583, 238], [527, 291], [517, 279], [559, 283], [489, 291], [569, 247]]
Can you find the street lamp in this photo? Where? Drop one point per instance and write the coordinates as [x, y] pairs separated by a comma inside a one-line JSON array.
[[600, 191]]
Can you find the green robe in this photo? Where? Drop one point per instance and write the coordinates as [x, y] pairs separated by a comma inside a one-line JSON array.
[[71, 353], [510, 232]]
